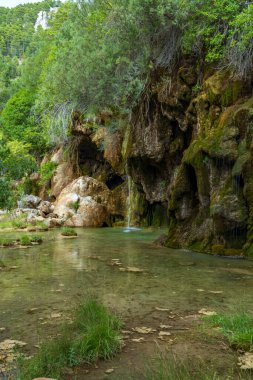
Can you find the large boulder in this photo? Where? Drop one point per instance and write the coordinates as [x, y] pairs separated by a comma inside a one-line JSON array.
[[84, 203]]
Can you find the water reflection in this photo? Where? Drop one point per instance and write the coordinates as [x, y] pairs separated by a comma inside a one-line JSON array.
[[61, 271]]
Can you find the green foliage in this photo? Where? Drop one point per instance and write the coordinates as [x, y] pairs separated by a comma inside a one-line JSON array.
[[237, 328], [17, 162], [98, 55], [47, 171], [93, 335], [68, 231], [74, 205], [6, 194]]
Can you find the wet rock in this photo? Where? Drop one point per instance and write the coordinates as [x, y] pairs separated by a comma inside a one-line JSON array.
[[161, 241]]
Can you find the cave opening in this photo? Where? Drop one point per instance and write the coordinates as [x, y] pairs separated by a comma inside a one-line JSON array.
[[192, 180], [87, 150], [114, 181]]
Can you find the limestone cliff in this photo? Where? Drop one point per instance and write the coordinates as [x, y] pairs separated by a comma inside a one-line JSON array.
[[188, 152]]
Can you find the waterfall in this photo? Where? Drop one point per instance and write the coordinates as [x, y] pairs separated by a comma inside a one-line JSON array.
[[129, 200], [130, 205], [43, 17]]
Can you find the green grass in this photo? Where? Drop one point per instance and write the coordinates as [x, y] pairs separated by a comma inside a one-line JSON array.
[[170, 368], [167, 367], [94, 334], [68, 231], [6, 242], [36, 239], [25, 240], [19, 223], [7, 222], [41, 226], [237, 328]]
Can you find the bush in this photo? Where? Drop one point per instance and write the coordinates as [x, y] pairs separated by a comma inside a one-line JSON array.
[[94, 334]]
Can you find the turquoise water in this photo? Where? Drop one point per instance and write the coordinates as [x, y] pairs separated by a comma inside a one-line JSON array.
[[53, 277]]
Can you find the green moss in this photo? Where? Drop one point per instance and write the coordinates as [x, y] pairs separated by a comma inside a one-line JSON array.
[[198, 246], [244, 157], [248, 250], [222, 89], [218, 249], [232, 93], [172, 244], [233, 252]]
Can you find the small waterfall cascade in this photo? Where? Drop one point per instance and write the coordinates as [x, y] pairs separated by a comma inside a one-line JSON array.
[[130, 206], [43, 17], [129, 200]]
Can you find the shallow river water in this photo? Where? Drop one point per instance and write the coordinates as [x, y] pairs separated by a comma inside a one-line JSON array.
[[48, 280]]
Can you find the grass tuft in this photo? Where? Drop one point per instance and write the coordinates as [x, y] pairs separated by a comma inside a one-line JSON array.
[[6, 242], [68, 231], [25, 240], [94, 334], [36, 239], [237, 328]]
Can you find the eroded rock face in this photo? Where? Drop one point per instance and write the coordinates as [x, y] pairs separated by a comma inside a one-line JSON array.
[[83, 203], [192, 153]]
